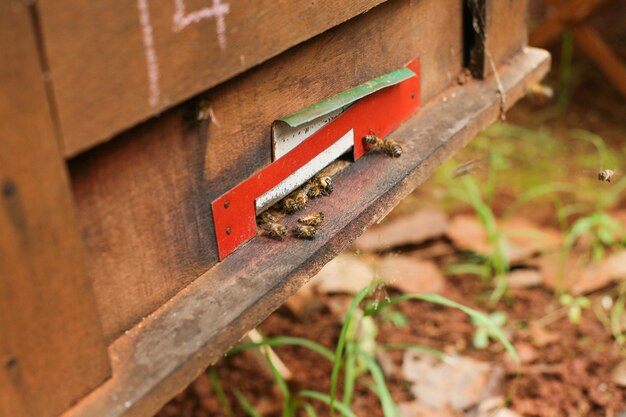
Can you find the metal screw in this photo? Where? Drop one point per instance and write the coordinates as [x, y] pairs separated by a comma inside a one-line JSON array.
[[228, 230], [226, 204], [413, 96]]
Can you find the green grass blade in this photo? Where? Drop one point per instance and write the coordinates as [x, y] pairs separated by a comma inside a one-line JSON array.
[[479, 317], [389, 407], [350, 373], [219, 392], [343, 409], [245, 404], [282, 384], [308, 408], [483, 271], [285, 340], [341, 344]]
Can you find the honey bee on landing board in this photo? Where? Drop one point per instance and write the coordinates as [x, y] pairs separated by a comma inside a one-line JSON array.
[[304, 232], [388, 146], [289, 205], [373, 141], [326, 185], [312, 219], [313, 190], [267, 217], [275, 230], [391, 148]]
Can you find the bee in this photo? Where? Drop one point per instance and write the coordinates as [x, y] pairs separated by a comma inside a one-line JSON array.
[[606, 175], [314, 191], [373, 141], [312, 219], [391, 148], [326, 185], [295, 201], [301, 198], [539, 93], [304, 232], [275, 230], [289, 205], [467, 167], [269, 216]]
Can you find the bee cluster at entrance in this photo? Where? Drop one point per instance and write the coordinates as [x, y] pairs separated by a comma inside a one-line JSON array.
[[269, 221]]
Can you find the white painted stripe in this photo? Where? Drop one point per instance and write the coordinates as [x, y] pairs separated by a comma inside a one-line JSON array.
[[286, 137], [312, 167]]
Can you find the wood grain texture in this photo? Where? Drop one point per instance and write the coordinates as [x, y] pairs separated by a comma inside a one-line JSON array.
[[154, 361], [52, 350], [107, 58], [144, 198]]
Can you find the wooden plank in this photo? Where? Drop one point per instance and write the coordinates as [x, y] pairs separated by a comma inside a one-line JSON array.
[[114, 64], [154, 361], [144, 198], [51, 347]]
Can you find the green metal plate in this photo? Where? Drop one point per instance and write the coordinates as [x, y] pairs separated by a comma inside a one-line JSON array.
[[342, 99]]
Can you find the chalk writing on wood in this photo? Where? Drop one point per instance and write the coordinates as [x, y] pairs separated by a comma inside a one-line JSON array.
[[151, 57], [181, 19]]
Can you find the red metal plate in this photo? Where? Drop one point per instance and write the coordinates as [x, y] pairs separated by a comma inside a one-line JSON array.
[[234, 214]]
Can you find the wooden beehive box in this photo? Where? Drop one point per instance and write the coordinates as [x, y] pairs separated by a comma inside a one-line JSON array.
[[113, 293]]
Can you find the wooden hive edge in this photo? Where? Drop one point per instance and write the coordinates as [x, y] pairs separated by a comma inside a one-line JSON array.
[[161, 355]]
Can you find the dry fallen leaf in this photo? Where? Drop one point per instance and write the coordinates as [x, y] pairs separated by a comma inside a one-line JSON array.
[[344, 274], [411, 275], [573, 275], [524, 278], [457, 382], [525, 238], [415, 228]]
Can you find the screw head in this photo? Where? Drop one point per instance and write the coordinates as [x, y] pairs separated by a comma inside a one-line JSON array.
[[226, 204], [228, 230]]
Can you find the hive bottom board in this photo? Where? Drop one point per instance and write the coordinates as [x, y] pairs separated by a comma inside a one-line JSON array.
[[162, 354]]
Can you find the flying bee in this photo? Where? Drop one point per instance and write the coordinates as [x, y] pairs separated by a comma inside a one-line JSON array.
[[312, 219], [539, 93], [275, 230], [467, 167], [304, 232], [373, 141], [326, 185], [606, 175], [391, 148]]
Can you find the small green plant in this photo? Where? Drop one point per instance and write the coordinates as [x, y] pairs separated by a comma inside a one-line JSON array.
[[604, 230], [354, 354], [497, 263], [575, 306], [482, 334]]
